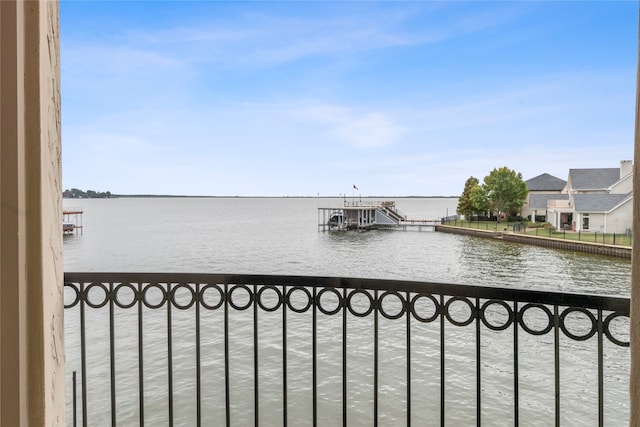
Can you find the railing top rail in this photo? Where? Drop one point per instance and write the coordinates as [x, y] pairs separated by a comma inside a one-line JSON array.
[[614, 303]]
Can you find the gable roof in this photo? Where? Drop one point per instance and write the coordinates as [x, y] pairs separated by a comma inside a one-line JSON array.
[[539, 201], [593, 179], [598, 202], [545, 182]]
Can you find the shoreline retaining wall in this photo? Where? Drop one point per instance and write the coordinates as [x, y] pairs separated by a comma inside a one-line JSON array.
[[569, 245]]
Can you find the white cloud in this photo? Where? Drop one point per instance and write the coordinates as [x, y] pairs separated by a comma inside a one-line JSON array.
[[362, 129], [370, 130]]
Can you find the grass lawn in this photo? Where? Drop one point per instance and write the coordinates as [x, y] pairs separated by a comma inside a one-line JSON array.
[[519, 228]]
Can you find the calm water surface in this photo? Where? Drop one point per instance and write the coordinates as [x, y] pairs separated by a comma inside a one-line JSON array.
[[280, 236]]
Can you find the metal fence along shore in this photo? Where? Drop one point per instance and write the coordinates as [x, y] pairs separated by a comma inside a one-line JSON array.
[[447, 352], [611, 244]]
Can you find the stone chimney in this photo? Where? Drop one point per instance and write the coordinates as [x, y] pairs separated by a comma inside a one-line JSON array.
[[626, 168]]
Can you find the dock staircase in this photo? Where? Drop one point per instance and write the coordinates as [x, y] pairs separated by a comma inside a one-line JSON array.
[[389, 210]]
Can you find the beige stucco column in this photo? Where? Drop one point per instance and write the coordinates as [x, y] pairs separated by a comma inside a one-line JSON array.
[[635, 275], [31, 304]]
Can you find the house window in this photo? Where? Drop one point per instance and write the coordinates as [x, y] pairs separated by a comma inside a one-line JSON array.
[[585, 221]]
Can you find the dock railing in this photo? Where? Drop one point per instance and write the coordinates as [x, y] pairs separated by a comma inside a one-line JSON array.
[[165, 348]]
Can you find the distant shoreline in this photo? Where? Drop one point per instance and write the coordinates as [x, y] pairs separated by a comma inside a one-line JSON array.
[[173, 196]]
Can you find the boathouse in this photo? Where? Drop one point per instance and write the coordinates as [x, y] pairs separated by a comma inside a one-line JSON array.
[[359, 215]]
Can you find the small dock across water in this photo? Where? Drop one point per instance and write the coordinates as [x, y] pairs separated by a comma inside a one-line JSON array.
[[72, 221], [419, 224]]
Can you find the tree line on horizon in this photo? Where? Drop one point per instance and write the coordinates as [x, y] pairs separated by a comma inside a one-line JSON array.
[[75, 193], [501, 194]]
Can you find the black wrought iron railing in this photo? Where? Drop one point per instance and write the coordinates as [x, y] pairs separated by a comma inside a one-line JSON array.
[[206, 349]]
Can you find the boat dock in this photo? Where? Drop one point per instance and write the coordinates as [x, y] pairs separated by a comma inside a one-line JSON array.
[[72, 221], [362, 216]]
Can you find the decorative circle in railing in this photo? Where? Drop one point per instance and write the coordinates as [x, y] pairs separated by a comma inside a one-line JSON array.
[[390, 294], [530, 307], [500, 303], [563, 319], [367, 299], [278, 297], [71, 289], [175, 296], [95, 288], [292, 299], [414, 307], [447, 311], [117, 295], [148, 299], [607, 328], [236, 305], [320, 303], [204, 296]]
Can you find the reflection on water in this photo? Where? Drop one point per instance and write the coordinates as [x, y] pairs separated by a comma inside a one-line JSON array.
[[280, 236]]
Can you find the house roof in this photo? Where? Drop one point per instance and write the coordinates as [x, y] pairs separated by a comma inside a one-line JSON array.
[[545, 182], [539, 201], [593, 179], [598, 202]]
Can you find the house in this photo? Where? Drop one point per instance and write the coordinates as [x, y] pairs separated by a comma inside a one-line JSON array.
[[542, 188], [594, 200]]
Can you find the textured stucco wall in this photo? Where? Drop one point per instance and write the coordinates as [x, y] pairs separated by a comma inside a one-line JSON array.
[[46, 199], [31, 304]]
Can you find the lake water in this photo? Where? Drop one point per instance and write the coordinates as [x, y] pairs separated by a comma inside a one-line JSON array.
[[280, 236]]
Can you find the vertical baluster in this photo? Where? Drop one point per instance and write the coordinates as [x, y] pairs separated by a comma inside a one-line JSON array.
[[344, 357], [226, 356], [198, 357], [314, 350], [408, 296], [112, 357], [256, 405], [442, 350], [140, 355], [556, 331], [516, 375], [284, 355], [83, 354], [478, 367], [600, 372], [169, 356], [375, 358], [75, 405]]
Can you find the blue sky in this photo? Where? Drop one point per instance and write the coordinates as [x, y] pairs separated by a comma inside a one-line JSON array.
[[305, 98]]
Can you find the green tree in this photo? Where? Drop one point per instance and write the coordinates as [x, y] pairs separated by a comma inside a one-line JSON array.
[[479, 199], [465, 205], [506, 191]]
